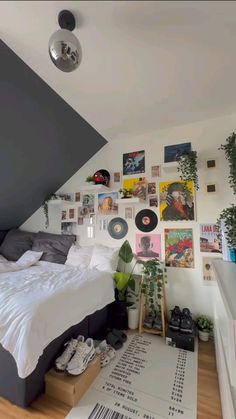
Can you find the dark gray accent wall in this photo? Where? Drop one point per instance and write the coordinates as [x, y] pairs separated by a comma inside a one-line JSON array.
[[43, 141]]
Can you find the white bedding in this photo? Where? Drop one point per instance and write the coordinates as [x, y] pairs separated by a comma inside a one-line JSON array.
[[39, 303]]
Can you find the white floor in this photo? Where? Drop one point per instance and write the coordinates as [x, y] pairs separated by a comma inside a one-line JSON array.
[[147, 379]]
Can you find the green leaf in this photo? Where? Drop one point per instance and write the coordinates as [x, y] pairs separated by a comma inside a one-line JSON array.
[[121, 279], [132, 284], [126, 253]]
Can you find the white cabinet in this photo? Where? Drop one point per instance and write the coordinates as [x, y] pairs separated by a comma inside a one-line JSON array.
[[225, 334]]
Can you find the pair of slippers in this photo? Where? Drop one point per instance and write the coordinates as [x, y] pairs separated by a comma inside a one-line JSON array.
[[116, 338], [106, 352]]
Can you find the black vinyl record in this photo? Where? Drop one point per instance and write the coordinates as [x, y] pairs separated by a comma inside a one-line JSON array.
[[146, 220], [117, 228]]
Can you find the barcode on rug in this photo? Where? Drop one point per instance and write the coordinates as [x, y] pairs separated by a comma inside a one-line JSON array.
[[102, 412]]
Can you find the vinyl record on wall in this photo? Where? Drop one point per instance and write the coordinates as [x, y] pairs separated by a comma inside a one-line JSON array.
[[146, 220], [117, 228]]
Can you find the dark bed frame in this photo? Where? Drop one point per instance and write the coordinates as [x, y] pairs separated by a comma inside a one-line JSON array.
[[23, 391]]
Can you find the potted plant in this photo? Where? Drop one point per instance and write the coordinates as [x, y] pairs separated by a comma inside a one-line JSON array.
[[230, 153], [187, 166], [45, 207], [126, 193], [154, 275], [90, 179], [205, 326], [227, 229]]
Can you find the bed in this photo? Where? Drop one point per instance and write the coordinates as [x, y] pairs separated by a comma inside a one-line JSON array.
[[41, 307]]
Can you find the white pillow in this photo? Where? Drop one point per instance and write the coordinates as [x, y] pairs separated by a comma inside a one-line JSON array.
[[104, 258], [79, 256], [29, 258]]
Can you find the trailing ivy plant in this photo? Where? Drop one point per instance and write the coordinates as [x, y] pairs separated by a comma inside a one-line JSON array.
[[187, 166], [45, 207], [228, 216], [154, 275], [230, 153]]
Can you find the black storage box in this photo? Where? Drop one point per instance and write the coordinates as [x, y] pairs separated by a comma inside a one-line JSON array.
[[180, 340]]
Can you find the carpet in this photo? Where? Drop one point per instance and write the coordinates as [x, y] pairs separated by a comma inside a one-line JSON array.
[[146, 380]]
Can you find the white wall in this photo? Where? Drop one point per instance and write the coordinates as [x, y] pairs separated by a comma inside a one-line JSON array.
[[185, 286]]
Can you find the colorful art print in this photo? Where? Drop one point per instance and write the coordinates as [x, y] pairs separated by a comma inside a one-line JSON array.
[[64, 215], [88, 201], [209, 238], [138, 187], [208, 271], [71, 213], [117, 177], [80, 221], [179, 248], [77, 196], [134, 162], [148, 246], [107, 203], [153, 201], [156, 171], [177, 201], [152, 188], [67, 228], [129, 213], [174, 152]]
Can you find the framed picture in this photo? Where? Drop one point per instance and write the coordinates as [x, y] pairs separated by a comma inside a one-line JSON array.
[[88, 202], [179, 248], [64, 215], [148, 246], [71, 214], [67, 228], [107, 203], [174, 152], [156, 171], [153, 201], [211, 188], [209, 238], [208, 271], [77, 196], [134, 162], [117, 177], [68, 197], [152, 188], [177, 201], [211, 163], [129, 213], [137, 185]]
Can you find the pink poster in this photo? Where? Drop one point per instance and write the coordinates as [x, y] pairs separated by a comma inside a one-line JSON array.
[[148, 246]]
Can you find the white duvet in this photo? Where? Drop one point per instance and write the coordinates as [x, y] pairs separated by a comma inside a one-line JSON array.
[[39, 303]]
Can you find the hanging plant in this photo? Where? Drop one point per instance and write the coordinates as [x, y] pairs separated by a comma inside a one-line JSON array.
[[228, 217], [45, 207], [187, 166], [230, 153]]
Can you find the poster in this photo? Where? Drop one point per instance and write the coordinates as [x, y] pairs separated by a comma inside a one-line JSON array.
[[153, 201], [148, 246], [152, 188], [156, 171], [208, 271], [134, 162], [107, 204], [77, 196], [177, 201], [117, 177], [209, 241], [138, 186], [88, 202], [174, 152], [179, 248]]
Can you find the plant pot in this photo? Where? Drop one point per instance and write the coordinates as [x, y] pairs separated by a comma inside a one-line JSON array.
[[204, 336], [133, 317]]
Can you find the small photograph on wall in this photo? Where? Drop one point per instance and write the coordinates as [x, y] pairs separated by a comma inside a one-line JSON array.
[[177, 201], [103, 224], [148, 246], [117, 177], [138, 186], [67, 228], [64, 215], [71, 214], [209, 240], [211, 163], [152, 190], [88, 202], [153, 201], [77, 196], [174, 152], [129, 213], [107, 203], [156, 171], [134, 162], [80, 221], [211, 188], [68, 197], [179, 248], [208, 271]]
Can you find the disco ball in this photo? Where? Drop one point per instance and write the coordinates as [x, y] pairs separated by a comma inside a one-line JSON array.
[[65, 50]]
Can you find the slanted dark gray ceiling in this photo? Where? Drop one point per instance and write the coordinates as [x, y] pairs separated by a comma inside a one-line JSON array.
[[43, 141]]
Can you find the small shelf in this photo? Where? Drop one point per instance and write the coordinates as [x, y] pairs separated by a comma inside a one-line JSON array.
[[63, 202], [152, 331], [170, 167], [128, 201], [95, 188]]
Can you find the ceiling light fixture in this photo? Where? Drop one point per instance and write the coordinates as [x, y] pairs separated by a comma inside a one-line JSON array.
[[64, 48]]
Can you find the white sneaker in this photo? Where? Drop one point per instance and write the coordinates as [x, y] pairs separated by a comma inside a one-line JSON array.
[[84, 353], [62, 361]]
